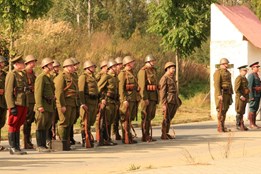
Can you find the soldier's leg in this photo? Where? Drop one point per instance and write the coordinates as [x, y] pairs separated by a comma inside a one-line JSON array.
[[238, 121], [77, 114], [144, 116], [251, 114], [63, 125], [27, 127], [116, 124], [2, 123]]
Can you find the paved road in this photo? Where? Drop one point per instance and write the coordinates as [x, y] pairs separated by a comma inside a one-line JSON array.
[[198, 148]]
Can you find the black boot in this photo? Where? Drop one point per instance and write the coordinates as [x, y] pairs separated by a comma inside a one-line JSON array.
[[12, 143], [238, 118], [41, 141], [27, 136], [17, 143], [83, 138]]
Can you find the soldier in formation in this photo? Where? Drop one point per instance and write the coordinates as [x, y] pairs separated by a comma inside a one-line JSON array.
[[254, 86], [44, 103], [30, 63], [16, 87], [242, 92], [129, 98], [147, 79], [223, 93], [2, 96], [169, 99]]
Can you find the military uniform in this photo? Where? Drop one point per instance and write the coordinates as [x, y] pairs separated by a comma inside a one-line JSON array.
[[254, 85], [108, 89], [169, 99], [89, 95], [242, 91], [66, 96], [44, 97], [223, 87], [16, 88], [129, 91], [147, 79]]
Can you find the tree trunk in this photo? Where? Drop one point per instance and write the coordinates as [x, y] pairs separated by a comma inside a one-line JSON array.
[[89, 18], [177, 69]]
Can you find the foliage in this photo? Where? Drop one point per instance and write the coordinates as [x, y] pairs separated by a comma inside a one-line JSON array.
[[183, 24]]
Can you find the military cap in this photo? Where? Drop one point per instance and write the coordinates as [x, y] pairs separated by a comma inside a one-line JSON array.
[[56, 63], [149, 58], [103, 63], [18, 59], [29, 58], [2, 59], [169, 64], [127, 59], [68, 62], [75, 60], [254, 64], [46, 61], [111, 63], [88, 64], [118, 60], [244, 67]]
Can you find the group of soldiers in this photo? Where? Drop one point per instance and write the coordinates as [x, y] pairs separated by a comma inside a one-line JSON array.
[[248, 90], [59, 97]]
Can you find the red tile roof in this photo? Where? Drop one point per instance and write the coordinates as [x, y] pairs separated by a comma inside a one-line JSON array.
[[245, 21]]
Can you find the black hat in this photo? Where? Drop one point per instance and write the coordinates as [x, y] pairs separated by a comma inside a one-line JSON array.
[[253, 64], [18, 58], [244, 67]]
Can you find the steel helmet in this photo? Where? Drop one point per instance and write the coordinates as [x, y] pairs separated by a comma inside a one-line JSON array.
[[56, 63], [169, 64], [29, 58], [68, 62], [127, 59], [118, 60], [75, 60], [46, 61], [149, 58], [88, 64], [103, 63], [223, 60], [111, 63]]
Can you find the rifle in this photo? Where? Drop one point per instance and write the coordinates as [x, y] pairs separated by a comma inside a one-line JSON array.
[[126, 126], [164, 131], [87, 138]]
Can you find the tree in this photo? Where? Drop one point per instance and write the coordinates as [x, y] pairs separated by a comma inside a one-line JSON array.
[[183, 24], [13, 13]]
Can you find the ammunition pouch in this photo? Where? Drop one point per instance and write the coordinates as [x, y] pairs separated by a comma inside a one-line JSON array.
[[130, 87], [70, 93], [246, 91], [2, 91], [48, 99], [21, 90], [152, 87]]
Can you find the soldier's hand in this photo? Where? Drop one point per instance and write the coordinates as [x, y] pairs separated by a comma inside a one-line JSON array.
[[63, 109], [126, 104], [84, 107], [103, 103], [146, 102], [41, 109], [14, 111], [242, 98], [220, 97]]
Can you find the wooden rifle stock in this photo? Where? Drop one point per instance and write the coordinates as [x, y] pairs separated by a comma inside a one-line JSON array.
[[87, 138], [98, 132], [126, 126]]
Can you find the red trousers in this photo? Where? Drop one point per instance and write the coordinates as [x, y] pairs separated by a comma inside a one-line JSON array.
[[15, 122]]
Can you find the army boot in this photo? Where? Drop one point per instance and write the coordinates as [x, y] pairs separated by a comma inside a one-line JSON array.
[[167, 130], [41, 141], [164, 131], [242, 126], [12, 142], [251, 120], [17, 142], [116, 131], [27, 137], [254, 121], [238, 123], [143, 138], [83, 138]]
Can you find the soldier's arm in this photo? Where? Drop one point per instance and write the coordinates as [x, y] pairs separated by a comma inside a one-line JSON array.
[[251, 80], [217, 83], [9, 90], [121, 78], [81, 85], [237, 86], [163, 90], [59, 93], [102, 84], [38, 95], [142, 84]]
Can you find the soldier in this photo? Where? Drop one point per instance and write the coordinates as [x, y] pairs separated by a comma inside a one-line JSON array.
[[108, 89], [16, 99], [30, 62], [242, 91], [44, 103], [118, 60], [66, 100], [75, 77], [169, 98], [129, 98], [147, 78], [2, 96], [103, 71], [254, 85], [51, 135], [223, 93], [88, 92]]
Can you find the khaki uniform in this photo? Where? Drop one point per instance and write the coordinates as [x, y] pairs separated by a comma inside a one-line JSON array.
[[169, 98], [128, 91], [99, 75], [44, 97], [3, 107], [66, 96], [108, 89], [89, 95], [223, 86], [30, 117], [147, 79]]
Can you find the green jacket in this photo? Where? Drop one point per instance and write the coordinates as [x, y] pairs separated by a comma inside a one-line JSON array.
[[16, 89], [241, 86], [2, 88], [253, 81], [168, 90], [147, 77], [44, 92]]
